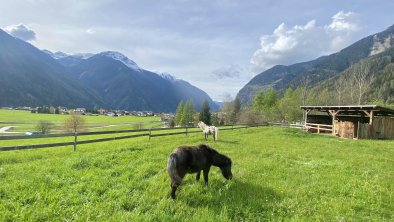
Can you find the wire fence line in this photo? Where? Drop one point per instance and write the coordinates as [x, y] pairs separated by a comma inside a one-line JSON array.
[[147, 132]]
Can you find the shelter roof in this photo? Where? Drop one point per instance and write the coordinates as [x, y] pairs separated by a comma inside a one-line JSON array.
[[353, 110]]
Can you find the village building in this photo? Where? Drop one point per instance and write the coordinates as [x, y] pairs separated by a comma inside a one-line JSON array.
[[62, 109], [353, 122], [102, 111], [80, 111]]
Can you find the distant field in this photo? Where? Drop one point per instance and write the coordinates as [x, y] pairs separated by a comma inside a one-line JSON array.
[[279, 175], [26, 121]]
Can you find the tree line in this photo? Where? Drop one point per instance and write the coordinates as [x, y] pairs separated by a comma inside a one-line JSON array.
[[186, 116]]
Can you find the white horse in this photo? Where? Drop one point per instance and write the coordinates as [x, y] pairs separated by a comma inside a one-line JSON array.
[[209, 130]]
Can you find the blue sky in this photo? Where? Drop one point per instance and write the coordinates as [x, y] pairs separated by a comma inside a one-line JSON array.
[[217, 45]]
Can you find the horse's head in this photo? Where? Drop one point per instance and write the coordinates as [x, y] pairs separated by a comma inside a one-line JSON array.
[[225, 167], [201, 124]]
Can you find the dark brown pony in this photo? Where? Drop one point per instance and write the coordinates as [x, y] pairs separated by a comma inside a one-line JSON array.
[[193, 159]]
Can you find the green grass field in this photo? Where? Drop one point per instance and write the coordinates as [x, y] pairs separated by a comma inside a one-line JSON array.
[[279, 174], [24, 121]]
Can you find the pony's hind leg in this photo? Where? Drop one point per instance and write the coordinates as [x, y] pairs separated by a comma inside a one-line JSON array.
[[174, 186], [176, 182]]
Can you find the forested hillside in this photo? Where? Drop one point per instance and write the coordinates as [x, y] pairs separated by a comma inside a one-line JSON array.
[[321, 75]]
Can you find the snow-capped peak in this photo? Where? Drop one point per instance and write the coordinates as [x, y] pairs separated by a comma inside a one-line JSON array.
[[122, 58], [60, 55], [168, 76], [83, 55], [56, 55]]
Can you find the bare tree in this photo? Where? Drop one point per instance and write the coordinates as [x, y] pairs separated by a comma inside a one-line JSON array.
[[350, 84], [339, 89], [250, 118], [44, 126], [362, 79], [75, 123], [304, 86]]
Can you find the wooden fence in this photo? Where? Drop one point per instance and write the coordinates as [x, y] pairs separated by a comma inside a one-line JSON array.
[[285, 125], [146, 132], [318, 127]]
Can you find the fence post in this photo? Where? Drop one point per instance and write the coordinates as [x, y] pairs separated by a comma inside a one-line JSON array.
[[232, 126], [318, 128]]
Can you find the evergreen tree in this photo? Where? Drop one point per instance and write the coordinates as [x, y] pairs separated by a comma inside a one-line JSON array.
[[236, 108], [178, 114], [188, 113], [205, 114]]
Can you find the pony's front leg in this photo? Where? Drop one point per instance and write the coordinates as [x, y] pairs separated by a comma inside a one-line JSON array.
[[198, 175], [206, 137], [206, 171]]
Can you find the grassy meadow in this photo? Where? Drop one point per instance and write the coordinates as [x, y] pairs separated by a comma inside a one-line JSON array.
[[24, 121], [279, 175]]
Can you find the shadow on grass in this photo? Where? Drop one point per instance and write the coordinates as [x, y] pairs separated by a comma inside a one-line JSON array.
[[236, 199], [229, 141], [130, 149]]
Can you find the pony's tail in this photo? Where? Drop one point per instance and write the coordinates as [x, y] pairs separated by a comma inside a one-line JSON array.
[[216, 133], [172, 171]]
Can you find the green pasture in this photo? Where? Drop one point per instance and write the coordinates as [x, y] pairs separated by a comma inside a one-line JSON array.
[[24, 121], [279, 175], [33, 141]]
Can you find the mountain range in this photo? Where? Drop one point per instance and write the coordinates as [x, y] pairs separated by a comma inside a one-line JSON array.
[[319, 72], [33, 77]]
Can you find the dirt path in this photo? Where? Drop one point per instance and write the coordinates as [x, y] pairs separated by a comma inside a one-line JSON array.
[[5, 129]]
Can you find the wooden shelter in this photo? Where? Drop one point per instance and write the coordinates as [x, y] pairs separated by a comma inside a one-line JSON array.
[[354, 122]]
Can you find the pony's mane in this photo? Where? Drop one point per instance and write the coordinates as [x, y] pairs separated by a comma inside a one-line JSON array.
[[208, 148], [201, 124], [223, 158]]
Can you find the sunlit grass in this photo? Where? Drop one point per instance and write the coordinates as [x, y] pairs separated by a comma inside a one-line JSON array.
[[279, 174]]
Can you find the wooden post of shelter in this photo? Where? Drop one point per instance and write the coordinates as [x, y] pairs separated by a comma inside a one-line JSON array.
[[306, 117], [333, 116], [370, 115]]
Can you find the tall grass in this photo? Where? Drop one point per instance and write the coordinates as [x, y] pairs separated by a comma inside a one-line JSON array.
[[279, 174]]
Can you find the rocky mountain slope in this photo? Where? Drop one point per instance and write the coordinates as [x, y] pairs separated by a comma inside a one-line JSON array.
[[316, 71]]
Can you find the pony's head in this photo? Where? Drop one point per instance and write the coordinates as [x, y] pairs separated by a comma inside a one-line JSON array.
[[201, 124], [225, 166]]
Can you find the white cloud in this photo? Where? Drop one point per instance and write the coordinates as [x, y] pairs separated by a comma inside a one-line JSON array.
[[21, 31], [304, 42], [344, 21], [232, 71]]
